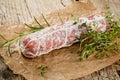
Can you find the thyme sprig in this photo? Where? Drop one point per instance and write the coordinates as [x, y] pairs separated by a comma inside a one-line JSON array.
[[100, 44]]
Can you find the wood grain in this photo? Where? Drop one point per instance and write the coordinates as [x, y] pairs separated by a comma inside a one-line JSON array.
[[22, 11]]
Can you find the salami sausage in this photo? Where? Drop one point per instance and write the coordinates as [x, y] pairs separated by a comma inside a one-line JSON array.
[[58, 36]]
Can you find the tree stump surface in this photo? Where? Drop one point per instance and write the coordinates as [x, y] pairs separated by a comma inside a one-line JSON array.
[[23, 11]]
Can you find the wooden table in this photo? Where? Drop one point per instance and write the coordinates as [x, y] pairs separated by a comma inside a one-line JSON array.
[[22, 11]]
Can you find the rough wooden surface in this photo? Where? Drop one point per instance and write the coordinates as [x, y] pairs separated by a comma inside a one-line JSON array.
[[22, 11]]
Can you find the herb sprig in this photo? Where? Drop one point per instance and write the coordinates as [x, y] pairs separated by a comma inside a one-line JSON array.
[[99, 44]]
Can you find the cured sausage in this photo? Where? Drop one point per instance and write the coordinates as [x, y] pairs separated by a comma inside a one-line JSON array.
[[58, 36]]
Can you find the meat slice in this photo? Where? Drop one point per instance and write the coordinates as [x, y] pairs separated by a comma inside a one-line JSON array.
[[58, 36]]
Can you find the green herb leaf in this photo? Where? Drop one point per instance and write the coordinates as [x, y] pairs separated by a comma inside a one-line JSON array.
[[45, 20], [9, 50], [73, 16], [43, 70], [97, 55], [34, 29], [38, 23], [3, 37], [118, 24], [60, 18]]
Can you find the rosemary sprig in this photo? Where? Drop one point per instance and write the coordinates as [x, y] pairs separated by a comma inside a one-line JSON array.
[[34, 29], [7, 43]]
